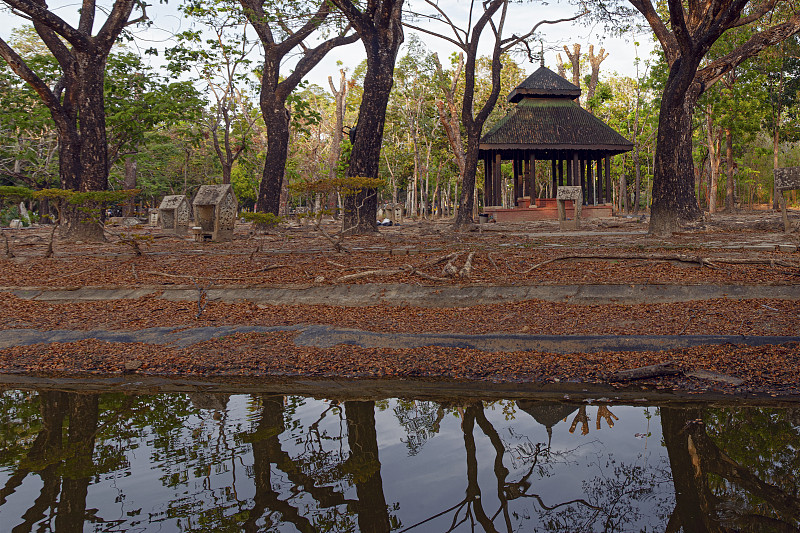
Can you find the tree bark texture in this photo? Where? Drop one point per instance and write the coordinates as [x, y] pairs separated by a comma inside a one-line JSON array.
[[380, 29], [276, 119], [338, 135], [674, 200], [714, 158]]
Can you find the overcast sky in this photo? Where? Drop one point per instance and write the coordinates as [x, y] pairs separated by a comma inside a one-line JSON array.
[[621, 50]]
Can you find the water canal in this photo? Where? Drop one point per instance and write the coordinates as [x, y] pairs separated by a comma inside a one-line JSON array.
[[211, 461]]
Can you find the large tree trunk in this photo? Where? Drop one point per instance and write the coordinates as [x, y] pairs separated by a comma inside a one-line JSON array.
[[674, 200], [381, 39], [92, 148], [466, 203], [276, 118]]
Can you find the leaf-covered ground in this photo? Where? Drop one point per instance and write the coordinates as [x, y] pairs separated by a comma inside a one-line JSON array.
[[769, 370], [748, 249]]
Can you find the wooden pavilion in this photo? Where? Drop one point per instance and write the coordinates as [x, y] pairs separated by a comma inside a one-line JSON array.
[[548, 126]]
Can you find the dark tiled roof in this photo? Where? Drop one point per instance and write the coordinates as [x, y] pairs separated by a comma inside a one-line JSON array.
[[544, 83], [553, 123]]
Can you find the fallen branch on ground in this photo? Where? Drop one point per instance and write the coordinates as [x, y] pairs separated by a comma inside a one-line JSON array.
[[701, 261], [181, 276], [668, 369], [405, 269], [646, 372]]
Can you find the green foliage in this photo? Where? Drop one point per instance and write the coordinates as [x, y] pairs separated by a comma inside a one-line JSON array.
[[266, 220], [8, 214], [100, 198], [15, 194], [344, 158]]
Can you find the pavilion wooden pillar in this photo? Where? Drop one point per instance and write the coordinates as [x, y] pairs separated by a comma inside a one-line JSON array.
[[487, 179], [570, 172], [515, 167], [554, 175], [609, 198], [497, 180], [589, 182], [530, 178], [575, 169], [560, 171], [582, 164], [600, 190]]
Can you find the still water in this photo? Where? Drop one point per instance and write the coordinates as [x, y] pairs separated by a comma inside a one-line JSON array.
[[219, 462]]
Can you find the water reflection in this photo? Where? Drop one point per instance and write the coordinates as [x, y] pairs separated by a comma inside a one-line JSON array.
[[214, 462]]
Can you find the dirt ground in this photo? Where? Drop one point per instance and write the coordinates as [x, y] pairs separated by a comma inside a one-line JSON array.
[[744, 249]]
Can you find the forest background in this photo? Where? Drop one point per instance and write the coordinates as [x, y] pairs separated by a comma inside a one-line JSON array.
[[186, 113]]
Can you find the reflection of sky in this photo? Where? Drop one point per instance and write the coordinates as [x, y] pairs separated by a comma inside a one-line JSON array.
[[211, 467], [439, 471]]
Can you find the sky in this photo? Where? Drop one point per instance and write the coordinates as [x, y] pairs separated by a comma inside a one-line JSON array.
[[621, 49]]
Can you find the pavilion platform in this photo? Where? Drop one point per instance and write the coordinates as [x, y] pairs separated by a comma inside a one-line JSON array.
[[544, 209]]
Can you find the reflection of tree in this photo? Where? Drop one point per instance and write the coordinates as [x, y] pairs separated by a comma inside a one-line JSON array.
[[67, 470], [78, 467], [603, 413], [420, 420], [696, 461], [266, 451], [472, 504], [365, 467]]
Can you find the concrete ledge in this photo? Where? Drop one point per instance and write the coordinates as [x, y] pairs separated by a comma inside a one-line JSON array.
[[425, 296]]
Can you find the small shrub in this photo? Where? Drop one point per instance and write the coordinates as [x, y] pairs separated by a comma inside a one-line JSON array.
[[263, 221]]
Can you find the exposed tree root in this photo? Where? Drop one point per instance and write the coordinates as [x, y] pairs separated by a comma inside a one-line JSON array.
[[9, 253], [466, 270]]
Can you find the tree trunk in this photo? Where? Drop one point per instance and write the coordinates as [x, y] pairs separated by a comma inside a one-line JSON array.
[[78, 468], [85, 149], [467, 201], [276, 119], [338, 134], [694, 504], [714, 157], [381, 40], [674, 199], [730, 167], [624, 206], [776, 144], [129, 182]]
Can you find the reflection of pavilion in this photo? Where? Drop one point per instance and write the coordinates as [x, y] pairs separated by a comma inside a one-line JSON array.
[[548, 125], [546, 413]]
